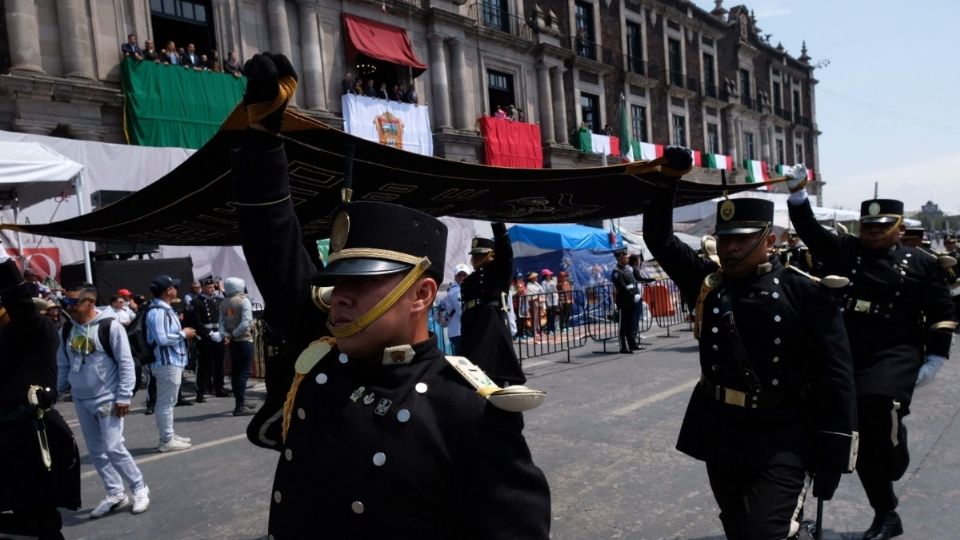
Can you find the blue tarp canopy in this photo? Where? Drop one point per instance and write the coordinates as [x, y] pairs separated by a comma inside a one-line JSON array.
[[531, 240]]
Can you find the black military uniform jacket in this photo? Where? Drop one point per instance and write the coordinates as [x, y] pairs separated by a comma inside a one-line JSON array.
[[330, 452], [894, 306], [410, 451], [625, 283], [484, 332], [205, 314], [798, 407], [798, 256]]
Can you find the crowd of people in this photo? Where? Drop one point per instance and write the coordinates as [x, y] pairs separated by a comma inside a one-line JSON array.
[[400, 92], [187, 57]]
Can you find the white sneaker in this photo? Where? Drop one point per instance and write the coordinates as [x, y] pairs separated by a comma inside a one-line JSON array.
[[111, 503], [141, 500], [173, 445], [181, 439]]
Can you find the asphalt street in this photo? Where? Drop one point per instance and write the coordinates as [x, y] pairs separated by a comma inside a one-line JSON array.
[[605, 439]]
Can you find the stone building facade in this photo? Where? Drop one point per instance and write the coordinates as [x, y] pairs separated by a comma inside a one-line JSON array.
[[708, 80]]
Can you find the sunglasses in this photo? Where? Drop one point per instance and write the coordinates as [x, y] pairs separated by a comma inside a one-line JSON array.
[[68, 303]]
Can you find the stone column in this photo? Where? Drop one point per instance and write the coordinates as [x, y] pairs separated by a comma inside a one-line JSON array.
[[559, 105], [546, 104], [277, 27], [733, 136], [312, 73], [74, 27], [439, 83], [24, 35], [464, 115]]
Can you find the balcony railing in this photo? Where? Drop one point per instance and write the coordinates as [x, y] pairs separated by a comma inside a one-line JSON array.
[[781, 113], [802, 120], [497, 19], [592, 51], [746, 101], [635, 64], [710, 90], [678, 79]]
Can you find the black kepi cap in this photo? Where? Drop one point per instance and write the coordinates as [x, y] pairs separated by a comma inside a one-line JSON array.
[[10, 275], [481, 245], [913, 232], [375, 239], [743, 216], [881, 211]]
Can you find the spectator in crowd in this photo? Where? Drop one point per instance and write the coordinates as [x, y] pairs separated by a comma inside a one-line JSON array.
[[452, 308], [195, 290], [191, 59], [118, 310], [101, 379], [150, 52], [232, 65], [31, 491], [635, 262], [55, 315], [131, 48], [369, 90], [565, 291], [549, 285], [32, 276], [169, 342], [607, 130], [213, 63], [347, 84], [500, 113], [411, 96], [204, 63], [170, 54], [519, 292], [383, 93], [397, 93], [236, 327], [534, 305], [512, 112]]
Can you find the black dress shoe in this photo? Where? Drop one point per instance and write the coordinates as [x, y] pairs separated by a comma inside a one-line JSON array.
[[184, 403], [223, 393], [626, 351], [884, 526], [149, 410], [201, 399]]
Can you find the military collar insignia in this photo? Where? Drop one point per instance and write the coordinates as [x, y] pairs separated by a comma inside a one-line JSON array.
[[339, 231], [727, 210], [398, 356]]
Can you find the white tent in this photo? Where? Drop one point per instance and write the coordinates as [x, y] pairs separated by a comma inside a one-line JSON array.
[[31, 173]]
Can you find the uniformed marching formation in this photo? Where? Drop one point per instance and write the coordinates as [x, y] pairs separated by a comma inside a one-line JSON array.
[[809, 360]]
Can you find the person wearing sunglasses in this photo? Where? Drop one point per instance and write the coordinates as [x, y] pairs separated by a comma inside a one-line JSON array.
[[99, 369]]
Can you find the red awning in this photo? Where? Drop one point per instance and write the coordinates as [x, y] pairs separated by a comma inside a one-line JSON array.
[[380, 41]]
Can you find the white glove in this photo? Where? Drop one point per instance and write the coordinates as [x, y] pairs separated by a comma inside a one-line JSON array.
[[929, 369], [796, 177], [636, 298], [216, 337]]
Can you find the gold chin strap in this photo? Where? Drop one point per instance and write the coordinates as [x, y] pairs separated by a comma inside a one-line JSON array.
[[388, 301]]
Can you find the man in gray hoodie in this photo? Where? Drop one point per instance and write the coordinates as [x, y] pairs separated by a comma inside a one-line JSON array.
[[101, 380], [236, 327]]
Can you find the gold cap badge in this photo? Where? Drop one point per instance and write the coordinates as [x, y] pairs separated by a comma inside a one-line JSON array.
[[339, 232], [727, 209]]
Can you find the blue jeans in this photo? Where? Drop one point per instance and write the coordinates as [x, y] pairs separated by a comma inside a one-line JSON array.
[[168, 384], [241, 358], [103, 433]]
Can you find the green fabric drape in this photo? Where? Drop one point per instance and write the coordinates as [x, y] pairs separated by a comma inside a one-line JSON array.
[[584, 140], [167, 105]]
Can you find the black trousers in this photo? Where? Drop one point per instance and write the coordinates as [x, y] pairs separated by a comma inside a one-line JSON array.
[[210, 367], [882, 459], [757, 504], [627, 330]]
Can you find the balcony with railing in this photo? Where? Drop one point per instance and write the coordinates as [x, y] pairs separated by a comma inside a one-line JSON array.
[[746, 101], [590, 50], [801, 120], [489, 16], [680, 80], [710, 90]]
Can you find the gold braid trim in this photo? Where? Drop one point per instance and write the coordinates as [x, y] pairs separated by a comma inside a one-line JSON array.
[[709, 283], [256, 112], [944, 325], [374, 253], [292, 394], [376, 311]]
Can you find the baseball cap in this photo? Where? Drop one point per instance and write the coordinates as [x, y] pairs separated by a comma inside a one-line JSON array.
[[124, 292], [162, 283]]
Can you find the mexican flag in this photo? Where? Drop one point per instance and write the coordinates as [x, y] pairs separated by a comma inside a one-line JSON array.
[[756, 171], [598, 144], [781, 171], [626, 148], [646, 151], [718, 161]]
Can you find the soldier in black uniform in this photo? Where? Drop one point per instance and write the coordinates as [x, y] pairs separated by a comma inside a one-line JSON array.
[[895, 306], [36, 477], [485, 330], [776, 394], [912, 237], [205, 314], [627, 300], [380, 435], [796, 254]]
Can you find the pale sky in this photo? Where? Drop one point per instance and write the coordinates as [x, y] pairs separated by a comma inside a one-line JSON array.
[[888, 103]]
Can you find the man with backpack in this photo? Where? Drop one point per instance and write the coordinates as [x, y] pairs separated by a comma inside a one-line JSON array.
[[94, 358]]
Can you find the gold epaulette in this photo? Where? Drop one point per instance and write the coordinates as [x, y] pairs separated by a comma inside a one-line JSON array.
[[830, 282], [944, 325], [305, 362], [516, 398]]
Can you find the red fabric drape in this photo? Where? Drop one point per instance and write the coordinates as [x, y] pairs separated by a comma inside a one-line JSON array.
[[380, 41], [511, 144]]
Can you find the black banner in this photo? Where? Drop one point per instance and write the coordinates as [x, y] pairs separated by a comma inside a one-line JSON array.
[[192, 204]]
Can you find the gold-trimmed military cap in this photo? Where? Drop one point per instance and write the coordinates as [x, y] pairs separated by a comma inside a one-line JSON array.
[[881, 211], [743, 216], [374, 238], [480, 245]]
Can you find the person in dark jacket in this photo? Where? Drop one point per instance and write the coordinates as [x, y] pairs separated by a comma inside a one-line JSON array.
[[36, 479], [485, 330], [775, 400], [628, 301], [380, 434], [900, 321]]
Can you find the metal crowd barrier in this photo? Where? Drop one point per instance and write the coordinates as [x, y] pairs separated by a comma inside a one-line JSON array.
[[547, 324], [667, 307]]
